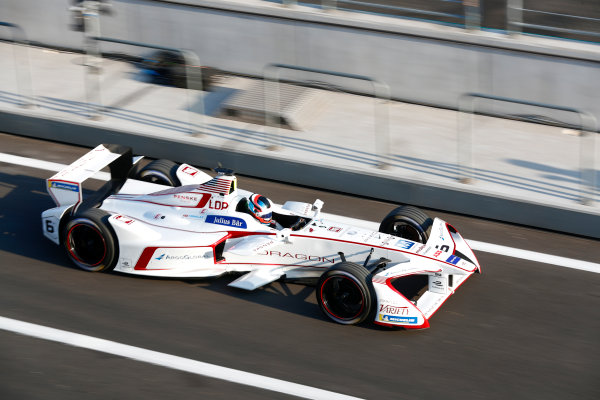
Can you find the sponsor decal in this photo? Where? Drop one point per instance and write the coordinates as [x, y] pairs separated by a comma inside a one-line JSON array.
[[190, 171], [185, 257], [227, 221], [187, 197], [442, 232], [266, 244], [64, 185], [334, 229], [404, 244], [397, 319], [126, 263], [297, 256], [373, 236], [124, 220], [438, 283], [437, 253], [176, 257], [393, 310], [352, 233], [453, 260], [194, 216], [218, 205], [419, 248]]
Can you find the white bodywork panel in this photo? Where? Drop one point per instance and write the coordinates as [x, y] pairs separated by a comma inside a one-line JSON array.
[[199, 230]]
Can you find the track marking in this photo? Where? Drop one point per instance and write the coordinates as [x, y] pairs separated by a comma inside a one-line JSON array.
[[534, 256], [169, 361], [45, 165], [475, 245]]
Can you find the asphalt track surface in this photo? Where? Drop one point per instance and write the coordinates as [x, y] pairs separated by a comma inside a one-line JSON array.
[[521, 330]]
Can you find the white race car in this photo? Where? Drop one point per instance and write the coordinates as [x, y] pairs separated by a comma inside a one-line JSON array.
[[170, 220]]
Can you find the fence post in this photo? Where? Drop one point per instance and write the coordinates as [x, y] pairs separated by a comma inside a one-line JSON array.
[[514, 16], [271, 98], [464, 142], [472, 14], [91, 29], [329, 5], [382, 128], [587, 153], [191, 60]]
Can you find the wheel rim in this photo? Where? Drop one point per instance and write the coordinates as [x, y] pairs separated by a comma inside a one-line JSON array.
[[155, 177], [86, 245], [408, 231], [342, 298]]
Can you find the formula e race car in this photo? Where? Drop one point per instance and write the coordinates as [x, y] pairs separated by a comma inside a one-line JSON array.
[[170, 220]]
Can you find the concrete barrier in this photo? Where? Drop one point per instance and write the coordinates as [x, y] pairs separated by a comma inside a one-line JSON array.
[[467, 200]]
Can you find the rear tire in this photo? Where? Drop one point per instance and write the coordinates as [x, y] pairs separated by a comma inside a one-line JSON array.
[[162, 172], [90, 241], [345, 293], [407, 222]]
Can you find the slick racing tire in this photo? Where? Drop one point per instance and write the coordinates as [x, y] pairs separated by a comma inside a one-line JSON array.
[[345, 293], [90, 241], [162, 172], [407, 222]]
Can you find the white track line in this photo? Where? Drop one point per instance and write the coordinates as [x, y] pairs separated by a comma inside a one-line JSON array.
[[167, 360], [45, 165], [475, 245], [534, 256]]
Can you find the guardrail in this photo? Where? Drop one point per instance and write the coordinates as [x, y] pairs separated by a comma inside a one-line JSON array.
[[381, 92], [587, 128], [515, 23], [22, 69], [190, 59], [471, 17]]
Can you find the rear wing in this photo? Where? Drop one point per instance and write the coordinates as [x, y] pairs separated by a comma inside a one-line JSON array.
[[65, 186]]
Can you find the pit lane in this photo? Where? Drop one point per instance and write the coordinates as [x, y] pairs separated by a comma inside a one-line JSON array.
[[521, 329]]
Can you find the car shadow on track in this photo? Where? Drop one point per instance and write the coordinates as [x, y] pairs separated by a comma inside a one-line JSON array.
[[23, 199], [288, 296]]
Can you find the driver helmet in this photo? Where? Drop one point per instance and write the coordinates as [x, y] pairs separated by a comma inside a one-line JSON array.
[[261, 208]]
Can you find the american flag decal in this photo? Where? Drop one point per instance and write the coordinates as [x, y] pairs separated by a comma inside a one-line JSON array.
[[219, 184]]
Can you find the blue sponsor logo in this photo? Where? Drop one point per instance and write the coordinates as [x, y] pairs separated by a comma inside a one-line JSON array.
[[161, 257], [453, 260], [227, 221], [398, 319], [405, 244], [65, 186]]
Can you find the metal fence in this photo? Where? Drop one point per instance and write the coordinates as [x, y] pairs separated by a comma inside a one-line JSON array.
[[587, 127], [21, 63], [191, 60], [381, 93], [515, 22], [470, 17]]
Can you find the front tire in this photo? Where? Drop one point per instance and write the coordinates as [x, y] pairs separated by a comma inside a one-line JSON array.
[[162, 172], [90, 242], [407, 222], [345, 293]]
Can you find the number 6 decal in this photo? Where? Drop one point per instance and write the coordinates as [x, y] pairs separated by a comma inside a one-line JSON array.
[[49, 226]]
